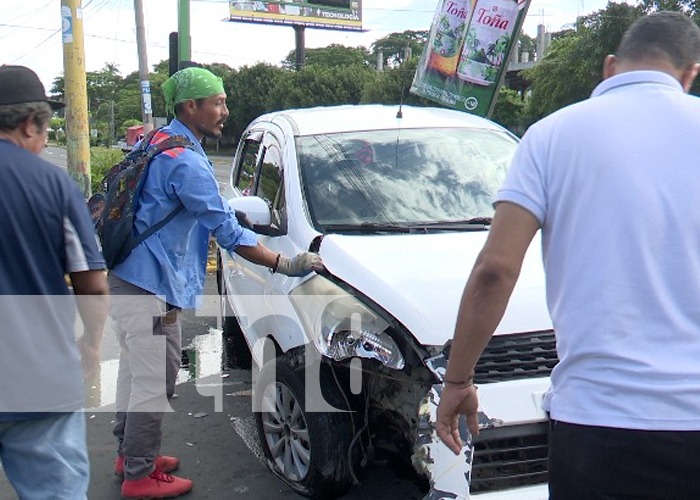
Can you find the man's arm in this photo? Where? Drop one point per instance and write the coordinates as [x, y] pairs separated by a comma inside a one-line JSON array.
[[483, 304], [92, 297], [258, 254], [299, 265]]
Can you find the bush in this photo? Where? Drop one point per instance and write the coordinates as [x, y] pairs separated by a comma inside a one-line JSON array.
[[101, 160]]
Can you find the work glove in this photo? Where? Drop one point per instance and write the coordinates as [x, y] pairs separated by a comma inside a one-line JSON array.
[[299, 265]]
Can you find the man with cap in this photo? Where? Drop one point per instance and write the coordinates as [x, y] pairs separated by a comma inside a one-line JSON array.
[[166, 273], [46, 234]]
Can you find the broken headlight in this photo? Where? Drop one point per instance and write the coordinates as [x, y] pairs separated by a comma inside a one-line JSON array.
[[341, 326]]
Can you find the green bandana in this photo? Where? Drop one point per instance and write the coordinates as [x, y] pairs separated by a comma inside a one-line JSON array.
[[190, 83]]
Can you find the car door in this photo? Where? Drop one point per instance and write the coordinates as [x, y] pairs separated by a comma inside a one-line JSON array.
[[255, 291]]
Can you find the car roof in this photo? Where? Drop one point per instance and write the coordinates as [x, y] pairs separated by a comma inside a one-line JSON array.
[[361, 117]]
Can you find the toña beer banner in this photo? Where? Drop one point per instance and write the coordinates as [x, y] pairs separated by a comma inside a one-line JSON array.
[[468, 49]]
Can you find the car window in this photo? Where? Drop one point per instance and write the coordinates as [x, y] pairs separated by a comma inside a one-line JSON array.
[[247, 178], [403, 176], [270, 185]]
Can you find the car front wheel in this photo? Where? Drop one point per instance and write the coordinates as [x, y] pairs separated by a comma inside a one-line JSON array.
[[308, 450]]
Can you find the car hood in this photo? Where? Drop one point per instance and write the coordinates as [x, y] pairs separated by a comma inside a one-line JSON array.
[[419, 279]]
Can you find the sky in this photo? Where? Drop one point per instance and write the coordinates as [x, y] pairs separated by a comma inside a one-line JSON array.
[[31, 35]]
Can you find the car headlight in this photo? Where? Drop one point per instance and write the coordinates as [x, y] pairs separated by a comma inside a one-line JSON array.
[[341, 326]]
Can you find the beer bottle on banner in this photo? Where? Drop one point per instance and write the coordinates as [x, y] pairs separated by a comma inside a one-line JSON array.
[[487, 40], [450, 26]]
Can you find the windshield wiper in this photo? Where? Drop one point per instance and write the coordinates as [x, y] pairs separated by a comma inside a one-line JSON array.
[[473, 224], [367, 227]]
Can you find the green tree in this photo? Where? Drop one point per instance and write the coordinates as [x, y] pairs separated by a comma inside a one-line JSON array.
[[219, 69], [526, 45], [332, 55], [573, 65], [321, 86], [58, 88], [248, 91], [508, 110], [162, 67], [392, 86], [102, 87], [127, 107], [393, 46], [688, 7]]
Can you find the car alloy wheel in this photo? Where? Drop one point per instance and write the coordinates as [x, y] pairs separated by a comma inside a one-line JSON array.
[[308, 450], [286, 433]]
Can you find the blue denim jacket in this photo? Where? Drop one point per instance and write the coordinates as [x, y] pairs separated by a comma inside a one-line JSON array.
[[172, 262]]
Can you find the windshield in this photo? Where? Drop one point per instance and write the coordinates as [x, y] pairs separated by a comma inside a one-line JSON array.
[[402, 177]]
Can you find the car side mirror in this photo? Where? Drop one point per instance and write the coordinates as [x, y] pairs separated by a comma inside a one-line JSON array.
[[257, 212]]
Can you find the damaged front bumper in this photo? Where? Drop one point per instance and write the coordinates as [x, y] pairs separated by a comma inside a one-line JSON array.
[[507, 457]]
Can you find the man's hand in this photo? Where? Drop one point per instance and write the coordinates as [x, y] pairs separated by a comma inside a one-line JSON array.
[[90, 357], [453, 402], [299, 265], [243, 219]]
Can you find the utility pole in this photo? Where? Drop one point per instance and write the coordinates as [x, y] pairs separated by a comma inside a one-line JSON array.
[[300, 46], [76, 111], [111, 120], [184, 41], [146, 107]]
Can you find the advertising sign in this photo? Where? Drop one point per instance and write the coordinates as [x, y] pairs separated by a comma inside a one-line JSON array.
[[327, 14], [468, 49]]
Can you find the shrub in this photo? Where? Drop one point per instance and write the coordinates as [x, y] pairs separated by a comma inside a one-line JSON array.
[[101, 160]]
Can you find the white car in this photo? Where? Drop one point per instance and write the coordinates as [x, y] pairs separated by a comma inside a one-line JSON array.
[[398, 202]]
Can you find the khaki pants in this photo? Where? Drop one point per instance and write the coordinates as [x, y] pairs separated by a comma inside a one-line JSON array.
[[150, 340]]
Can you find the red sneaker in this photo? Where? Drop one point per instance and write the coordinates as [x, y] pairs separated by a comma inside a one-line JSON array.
[[156, 485], [162, 462]]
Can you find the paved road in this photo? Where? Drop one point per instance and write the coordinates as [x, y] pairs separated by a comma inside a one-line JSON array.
[[213, 436], [221, 163]]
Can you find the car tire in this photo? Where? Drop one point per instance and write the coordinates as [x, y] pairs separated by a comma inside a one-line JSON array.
[[306, 450], [236, 352]]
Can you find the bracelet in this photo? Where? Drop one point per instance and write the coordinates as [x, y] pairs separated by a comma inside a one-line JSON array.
[[277, 263], [463, 384]]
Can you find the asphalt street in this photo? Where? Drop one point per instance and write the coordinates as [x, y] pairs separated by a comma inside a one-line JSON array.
[[221, 163]]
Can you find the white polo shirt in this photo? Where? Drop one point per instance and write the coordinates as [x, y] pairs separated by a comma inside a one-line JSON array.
[[615, 184]]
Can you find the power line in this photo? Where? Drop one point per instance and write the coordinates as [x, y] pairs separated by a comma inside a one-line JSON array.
[[38, 45], [32, 12]]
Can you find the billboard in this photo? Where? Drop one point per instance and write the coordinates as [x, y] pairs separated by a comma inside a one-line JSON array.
[[467, 54], [326, 14]]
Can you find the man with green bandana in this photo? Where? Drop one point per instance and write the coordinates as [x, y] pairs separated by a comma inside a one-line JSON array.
[[166, 273]]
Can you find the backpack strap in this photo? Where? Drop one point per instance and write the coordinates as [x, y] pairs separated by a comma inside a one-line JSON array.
[[153, 150], [155, 227]]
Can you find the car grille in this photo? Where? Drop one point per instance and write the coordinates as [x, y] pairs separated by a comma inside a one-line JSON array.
[[517, 356], [509, 457]]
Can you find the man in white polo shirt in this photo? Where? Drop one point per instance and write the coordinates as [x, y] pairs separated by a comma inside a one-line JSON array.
[[614, 184]]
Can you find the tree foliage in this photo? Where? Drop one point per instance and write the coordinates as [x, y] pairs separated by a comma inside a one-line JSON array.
[[393, 46], [509, 111], [332, 55], [573, 66], [248, 90], [321, 86], [392, 86], [688, 7]]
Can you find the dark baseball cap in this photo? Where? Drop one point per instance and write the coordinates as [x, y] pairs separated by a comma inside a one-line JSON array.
[[20, 84]]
